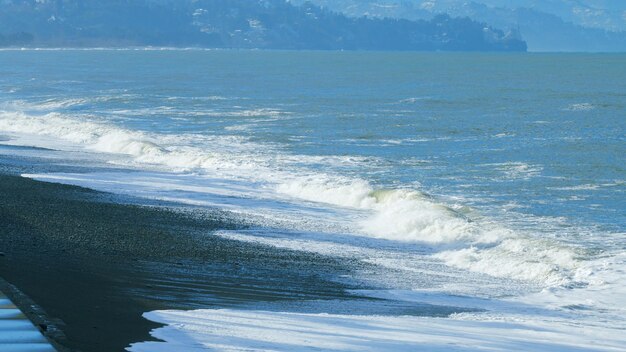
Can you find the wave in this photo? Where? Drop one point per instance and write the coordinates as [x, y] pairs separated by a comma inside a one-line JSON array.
[[129, 48], [590, 186], [412, 100], [205, 98], [46, 104], [171, 112], [580, 107], [410, 216], [404, 215], [399, 214], [516, 170], [520, 258]]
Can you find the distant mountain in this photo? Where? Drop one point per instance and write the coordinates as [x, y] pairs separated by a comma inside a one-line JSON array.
[[609, 15], [270, 24], [546, 25]]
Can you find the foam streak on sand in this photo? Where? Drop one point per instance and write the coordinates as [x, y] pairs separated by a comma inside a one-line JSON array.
[[231, 330]]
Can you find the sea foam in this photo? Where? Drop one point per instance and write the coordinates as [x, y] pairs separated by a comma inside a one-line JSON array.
[[233, 330], [404, 215]]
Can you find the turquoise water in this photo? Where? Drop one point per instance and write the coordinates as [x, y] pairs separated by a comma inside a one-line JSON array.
[[486, 175], [543, 131]]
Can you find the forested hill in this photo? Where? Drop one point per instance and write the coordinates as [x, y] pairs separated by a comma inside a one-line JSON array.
[[264, 24]]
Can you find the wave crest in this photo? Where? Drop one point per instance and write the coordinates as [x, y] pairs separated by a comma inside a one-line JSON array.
[[404, 215]]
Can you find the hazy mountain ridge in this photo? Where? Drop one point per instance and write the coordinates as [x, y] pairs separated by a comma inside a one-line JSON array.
[[547, 25], [609, 15], [269, 24]]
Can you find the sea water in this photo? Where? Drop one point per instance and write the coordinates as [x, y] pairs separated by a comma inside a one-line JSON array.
[[487, 181]]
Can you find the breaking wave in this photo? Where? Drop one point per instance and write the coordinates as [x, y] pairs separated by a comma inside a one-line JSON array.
[[404, 215]]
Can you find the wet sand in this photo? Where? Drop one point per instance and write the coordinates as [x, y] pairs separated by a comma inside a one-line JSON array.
[[87, 265]]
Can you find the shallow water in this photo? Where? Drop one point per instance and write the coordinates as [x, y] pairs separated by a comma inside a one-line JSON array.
[[493, 176]]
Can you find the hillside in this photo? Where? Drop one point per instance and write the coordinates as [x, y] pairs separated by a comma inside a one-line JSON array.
[[546, 25], [264, 24]]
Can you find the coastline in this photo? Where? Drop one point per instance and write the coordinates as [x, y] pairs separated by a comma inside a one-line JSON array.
[[224, 205], [94, 265]]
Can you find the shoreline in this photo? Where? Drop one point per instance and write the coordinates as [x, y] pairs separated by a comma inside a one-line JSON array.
[[94, 266]]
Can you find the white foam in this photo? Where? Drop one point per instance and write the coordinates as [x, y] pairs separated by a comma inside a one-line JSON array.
[[207, 98], [516, 170], [409, 216], [411, 239], [555, 319], [580, 107], [45, 105], [519, 258], [599, 299], [590, 186], [403, 215], [232, 330], [412, 100], [503, 135]]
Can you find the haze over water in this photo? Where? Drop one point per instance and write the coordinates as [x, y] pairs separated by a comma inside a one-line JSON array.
[[487, 181]]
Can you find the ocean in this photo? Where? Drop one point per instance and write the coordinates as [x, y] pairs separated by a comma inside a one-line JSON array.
[[493, 183]]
